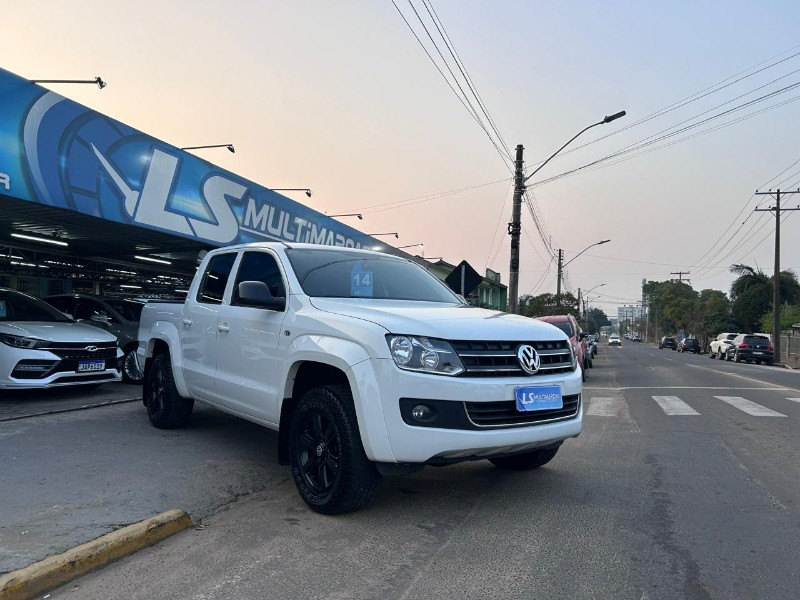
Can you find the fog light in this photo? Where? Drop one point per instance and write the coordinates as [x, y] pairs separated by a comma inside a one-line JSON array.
[[421, 412]]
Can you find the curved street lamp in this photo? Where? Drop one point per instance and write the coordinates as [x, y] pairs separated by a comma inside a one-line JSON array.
[[515, 227], [562, 265]]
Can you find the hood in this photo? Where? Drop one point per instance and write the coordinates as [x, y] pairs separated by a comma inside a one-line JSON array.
[[57, 332], [437, 320]]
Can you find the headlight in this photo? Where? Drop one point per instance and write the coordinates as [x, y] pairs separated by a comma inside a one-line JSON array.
[[16, 341], [425, 355]]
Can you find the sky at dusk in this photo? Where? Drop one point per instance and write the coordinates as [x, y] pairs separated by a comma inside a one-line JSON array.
[[340, 97]]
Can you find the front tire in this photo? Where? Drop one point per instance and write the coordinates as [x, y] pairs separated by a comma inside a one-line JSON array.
[[525, 461], [329, 466], [166, 408]]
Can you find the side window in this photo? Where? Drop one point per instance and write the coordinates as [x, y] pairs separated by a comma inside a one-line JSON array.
[[85, 308], [62, 304], [212, 288], [259, 266]]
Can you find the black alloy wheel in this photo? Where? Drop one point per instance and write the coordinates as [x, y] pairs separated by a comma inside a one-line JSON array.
[[329, 466], [166, 408]]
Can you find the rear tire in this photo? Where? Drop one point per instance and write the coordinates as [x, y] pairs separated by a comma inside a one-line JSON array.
[[721, 355], [329, 466], [736, 357], [525, 461], [166, 408], [768, 363]]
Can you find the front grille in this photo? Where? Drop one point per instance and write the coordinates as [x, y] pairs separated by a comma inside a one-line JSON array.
[[499, 359], [78, 351], [505, 413]]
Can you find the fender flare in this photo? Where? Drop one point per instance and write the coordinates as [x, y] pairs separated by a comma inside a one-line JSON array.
[[354, 361], [166, 332]]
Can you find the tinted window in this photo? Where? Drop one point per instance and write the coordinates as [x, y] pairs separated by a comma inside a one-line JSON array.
[[755, 339], [336, 274], [62, 304], [212, 288], [19, 307], [564, 326], [259, 266], [85, 308], [129, 309]]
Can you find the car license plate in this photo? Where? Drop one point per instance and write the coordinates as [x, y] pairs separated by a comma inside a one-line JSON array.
[[758, 353], [91, 365], [541, 397]]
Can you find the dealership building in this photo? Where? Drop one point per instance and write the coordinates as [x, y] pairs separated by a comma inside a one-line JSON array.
[[90, 204]]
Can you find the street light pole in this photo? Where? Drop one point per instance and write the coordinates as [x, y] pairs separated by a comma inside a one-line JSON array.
[[515, 226], [562, 265]]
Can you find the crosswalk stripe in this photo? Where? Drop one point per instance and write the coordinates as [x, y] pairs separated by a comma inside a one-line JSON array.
[[605, 407], [672, 405], [751, 408], [794, 399]]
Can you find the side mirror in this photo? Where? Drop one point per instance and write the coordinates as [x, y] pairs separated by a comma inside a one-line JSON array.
[[584, 336], [257, 295]]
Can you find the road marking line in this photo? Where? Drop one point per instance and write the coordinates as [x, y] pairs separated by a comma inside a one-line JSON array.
[[751, 408], [605, 407], [794, 399], [672, 405]]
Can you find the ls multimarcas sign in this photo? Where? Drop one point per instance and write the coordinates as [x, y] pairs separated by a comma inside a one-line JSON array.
[[57, 152]]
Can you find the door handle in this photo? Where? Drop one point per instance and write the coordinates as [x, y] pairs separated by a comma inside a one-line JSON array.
[[223, 328], [186, 322]]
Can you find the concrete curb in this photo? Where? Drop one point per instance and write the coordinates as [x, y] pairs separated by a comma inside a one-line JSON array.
[[54, 571]]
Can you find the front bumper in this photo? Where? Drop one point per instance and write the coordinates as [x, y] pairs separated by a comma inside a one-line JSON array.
[[22, 368], [440, 445]]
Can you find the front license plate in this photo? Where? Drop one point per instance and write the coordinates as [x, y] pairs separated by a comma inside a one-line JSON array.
[[91, 365], [542, 397]]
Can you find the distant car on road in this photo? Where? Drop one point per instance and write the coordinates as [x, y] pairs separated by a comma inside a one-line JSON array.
[[42, 348], [668, 342], [614, 340], [751, 348], [689, 345]]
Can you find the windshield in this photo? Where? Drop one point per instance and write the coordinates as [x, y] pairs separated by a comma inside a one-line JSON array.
[[328, 273], [15, 306], [564, 326]]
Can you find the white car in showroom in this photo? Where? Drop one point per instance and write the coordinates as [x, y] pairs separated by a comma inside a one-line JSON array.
[[41, 347]]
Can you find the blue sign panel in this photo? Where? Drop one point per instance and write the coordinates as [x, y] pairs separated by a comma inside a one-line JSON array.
[[60, 153]]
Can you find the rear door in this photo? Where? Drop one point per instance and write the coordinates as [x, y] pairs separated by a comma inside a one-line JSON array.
[[199, 326], [247, 343]]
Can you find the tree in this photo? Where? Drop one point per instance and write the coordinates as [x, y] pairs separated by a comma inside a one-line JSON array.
[[752, 293], [595, 319], [790, 315], [546, 304]]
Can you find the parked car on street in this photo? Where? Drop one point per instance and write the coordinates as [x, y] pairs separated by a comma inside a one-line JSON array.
[[749, 347], [614, 340], [689, 344], [118, 316], [668, 342], [569, 325], [719, 345], [41, 347]]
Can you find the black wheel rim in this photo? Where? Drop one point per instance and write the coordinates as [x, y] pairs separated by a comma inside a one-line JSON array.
[[158, 390], [319, 452]]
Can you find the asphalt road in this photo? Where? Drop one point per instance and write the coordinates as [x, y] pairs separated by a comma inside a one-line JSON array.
[[684, 484]]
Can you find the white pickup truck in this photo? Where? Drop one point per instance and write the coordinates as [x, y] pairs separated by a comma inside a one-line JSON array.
[[365, 364]]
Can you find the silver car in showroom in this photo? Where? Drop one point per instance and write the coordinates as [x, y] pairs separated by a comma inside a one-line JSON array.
[[40, 347]]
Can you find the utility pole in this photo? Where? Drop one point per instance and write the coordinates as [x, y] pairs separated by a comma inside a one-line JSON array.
[[680, 275], [579, 301], [515, 227], [776, 283], [514, 230], [559, 274]]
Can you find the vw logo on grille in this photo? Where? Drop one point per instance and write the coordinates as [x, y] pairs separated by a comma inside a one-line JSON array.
[[528, 359], [91, 348]]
